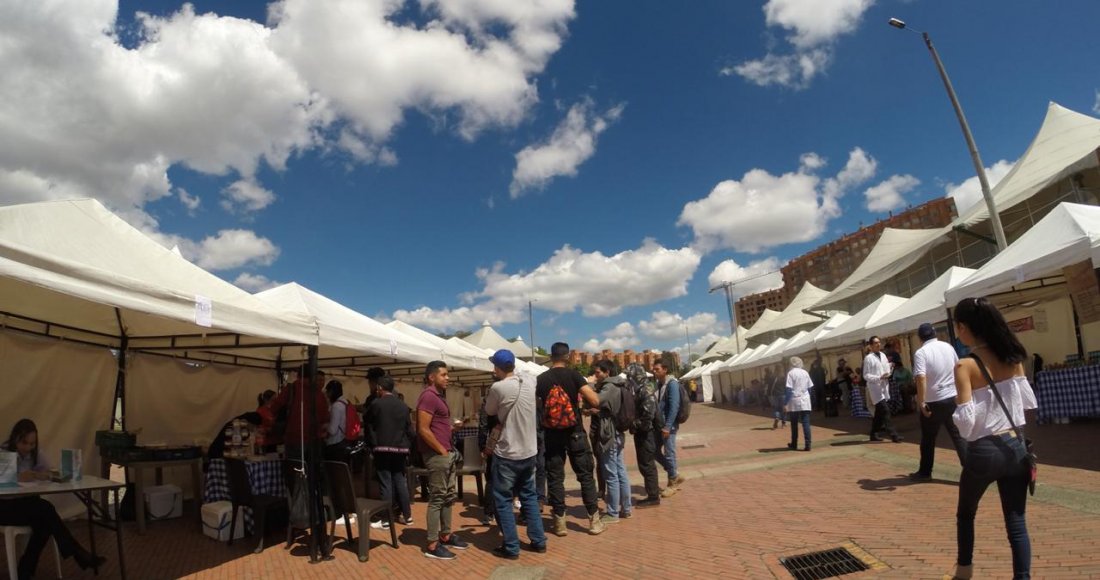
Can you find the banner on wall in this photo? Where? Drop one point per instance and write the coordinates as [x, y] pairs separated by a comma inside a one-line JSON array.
[[1021, 325], [1084, 289]]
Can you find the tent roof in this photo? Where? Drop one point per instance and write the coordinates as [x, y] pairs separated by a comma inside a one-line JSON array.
[[853, 330], [729, 363], [895, 251], [1069, 234], [487, 338], [793, 315], [806, 342], [346, 329], [925, 306], [763, 323], [777, 355], [726, 346], [1065, 144], [452, 352], [761, 354], [74, 263]]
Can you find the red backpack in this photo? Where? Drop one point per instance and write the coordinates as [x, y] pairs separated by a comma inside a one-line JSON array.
[[353, 427], [558, 412]]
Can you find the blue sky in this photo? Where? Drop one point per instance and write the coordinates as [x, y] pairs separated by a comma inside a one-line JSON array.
[[443, 162]]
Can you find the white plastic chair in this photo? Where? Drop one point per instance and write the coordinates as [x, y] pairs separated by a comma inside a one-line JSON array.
[[14, 551]]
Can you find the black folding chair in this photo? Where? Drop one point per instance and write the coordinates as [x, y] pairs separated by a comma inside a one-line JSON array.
[[342, 493], [472, 464]]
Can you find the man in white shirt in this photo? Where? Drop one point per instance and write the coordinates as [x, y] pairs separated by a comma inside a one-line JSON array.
[[934, 371], [512, 400], [876, 371]]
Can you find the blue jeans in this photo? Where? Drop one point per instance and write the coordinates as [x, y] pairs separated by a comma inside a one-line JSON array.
[[666, 452], [613, 467], [995, 458], [802, 417], [512, 478]]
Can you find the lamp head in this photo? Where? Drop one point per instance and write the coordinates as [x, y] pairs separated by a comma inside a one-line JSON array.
[[897, 23]]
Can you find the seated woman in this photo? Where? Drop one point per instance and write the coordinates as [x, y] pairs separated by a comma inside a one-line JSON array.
[[35, 512]]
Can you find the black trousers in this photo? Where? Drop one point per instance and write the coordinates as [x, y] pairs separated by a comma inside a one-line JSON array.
[[881, 422], [645, 446], [42, 518], [574, 444], [941, 412]]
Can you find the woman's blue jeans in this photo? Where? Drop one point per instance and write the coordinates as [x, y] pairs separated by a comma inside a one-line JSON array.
[[996, 458]]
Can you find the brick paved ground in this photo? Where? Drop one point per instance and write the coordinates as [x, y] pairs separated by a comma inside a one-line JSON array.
[[748, 501]]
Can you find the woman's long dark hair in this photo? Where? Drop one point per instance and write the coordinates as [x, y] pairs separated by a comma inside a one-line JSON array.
[[988, 325], [22, 428]]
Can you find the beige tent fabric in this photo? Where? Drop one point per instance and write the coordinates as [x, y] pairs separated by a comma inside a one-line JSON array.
[[65, 388]]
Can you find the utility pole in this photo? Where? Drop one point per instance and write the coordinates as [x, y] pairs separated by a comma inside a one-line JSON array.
[[531, 323]]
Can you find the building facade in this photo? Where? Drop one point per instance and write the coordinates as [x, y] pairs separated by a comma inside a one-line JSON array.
[[830, 264], [646, 358]]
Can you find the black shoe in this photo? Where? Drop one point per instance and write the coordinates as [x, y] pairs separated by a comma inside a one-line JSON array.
[[875, 438], [648, 502], [918, 476], [500, 552], [896, 438], [807, 447], [538, 549], [86, 560], [792, 446]]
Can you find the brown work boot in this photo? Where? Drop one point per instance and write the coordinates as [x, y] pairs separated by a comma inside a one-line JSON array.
[[595, 524], [559, 526], [678, 481]]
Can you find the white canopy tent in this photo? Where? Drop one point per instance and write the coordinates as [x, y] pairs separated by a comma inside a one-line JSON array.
[[760, 354], [853, 330], [726, 346], [1066, 143], [793, 316], [807, 342], [895, 251], [487, 338], [451, 351], [925, 306], [1069, 234], [778, 355], [763, 322]]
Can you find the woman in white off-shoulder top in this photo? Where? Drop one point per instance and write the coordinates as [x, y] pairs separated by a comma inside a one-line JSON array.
[[994, 453]]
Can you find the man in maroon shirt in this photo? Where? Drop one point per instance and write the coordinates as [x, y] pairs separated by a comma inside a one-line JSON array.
[[433, 428]]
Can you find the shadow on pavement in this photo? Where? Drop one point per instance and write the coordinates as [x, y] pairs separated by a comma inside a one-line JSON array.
[[892, 483], [774, 449]]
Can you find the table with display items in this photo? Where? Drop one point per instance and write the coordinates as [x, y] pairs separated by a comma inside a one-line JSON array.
[[98, 514], [265, 476]]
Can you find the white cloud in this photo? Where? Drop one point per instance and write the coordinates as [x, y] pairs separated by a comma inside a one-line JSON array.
[[1096, 106], [794, 71], [699, 345], [572, 143], [255, 282], [758, 276], [245, 195], [231, 249], [890, 194], [620, 337], [813, 27], [596, 284], [191, 202], [764, 210], [85, 116], [969, 192], [663, 325]]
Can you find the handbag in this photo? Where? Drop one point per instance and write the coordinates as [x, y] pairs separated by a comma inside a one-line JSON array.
[[1031, 460]]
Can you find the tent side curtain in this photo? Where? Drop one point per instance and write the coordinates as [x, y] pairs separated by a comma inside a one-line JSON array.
[[1066, 143], [896, 250]]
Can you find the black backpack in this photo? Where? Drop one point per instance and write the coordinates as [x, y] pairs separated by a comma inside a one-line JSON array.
[[624, 420], [685, 405]]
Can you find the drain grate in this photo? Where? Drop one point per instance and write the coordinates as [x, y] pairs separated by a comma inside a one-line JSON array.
[[824, 564]]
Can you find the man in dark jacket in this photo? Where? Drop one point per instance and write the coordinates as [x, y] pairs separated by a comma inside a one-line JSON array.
[[647, 422], [388, 434]]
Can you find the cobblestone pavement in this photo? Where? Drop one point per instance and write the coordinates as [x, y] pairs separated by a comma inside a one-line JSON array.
[[748, 501]]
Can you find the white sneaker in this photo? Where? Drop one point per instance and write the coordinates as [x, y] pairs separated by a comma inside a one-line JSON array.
[[380, 525], [516, 504]]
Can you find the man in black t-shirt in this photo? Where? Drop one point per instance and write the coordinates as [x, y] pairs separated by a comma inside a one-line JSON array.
[[570, 441]]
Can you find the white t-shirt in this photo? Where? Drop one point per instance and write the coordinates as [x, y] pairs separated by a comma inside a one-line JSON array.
[[935, 361], [798, 381]]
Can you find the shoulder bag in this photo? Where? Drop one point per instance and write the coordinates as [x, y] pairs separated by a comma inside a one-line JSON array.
[[1030, 459]]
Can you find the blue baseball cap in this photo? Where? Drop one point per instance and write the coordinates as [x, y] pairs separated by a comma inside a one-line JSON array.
[[503, 358]]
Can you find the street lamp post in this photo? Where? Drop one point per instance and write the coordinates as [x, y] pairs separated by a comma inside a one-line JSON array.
[[531, 326], [994, 217], [687, 342]]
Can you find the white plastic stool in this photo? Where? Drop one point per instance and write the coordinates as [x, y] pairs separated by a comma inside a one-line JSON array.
[[11, 540]]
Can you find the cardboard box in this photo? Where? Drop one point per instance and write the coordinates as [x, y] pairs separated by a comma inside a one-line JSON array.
[[215, 521], [163, 502]]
